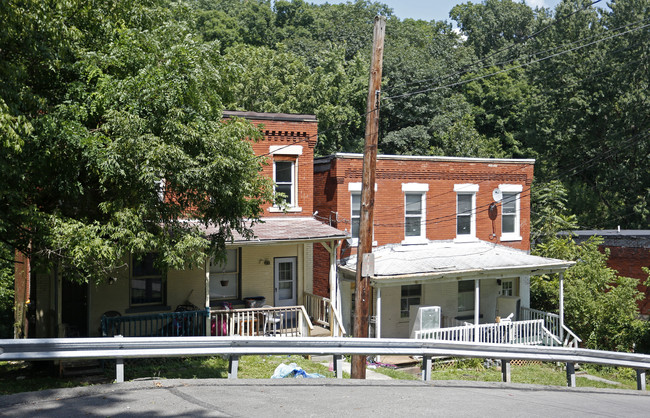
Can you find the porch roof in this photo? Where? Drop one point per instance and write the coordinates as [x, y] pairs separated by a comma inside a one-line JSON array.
[[397, 265], [281, 230]]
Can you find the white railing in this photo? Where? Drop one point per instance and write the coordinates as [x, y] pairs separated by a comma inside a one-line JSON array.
[[517, 332], [552, 323], [120, 348], [321, 311], [287, 321]]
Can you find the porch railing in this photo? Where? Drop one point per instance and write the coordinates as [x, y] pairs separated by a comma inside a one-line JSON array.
[[552, 323], [517, 332], [287, 321], [169, 324], [320, 309]]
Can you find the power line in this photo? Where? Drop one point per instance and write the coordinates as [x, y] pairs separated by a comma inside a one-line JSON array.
[[462, 82]]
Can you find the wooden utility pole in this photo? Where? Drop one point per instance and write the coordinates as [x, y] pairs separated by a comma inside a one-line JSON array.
[[363, 293]]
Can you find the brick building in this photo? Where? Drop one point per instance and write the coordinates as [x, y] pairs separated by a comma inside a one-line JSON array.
[[475, 210], [629, 252]]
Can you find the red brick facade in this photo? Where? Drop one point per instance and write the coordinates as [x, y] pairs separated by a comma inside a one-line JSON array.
[[439, 176], [287, 137]]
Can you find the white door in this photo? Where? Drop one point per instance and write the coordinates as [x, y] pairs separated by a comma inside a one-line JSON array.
[[285, 281]]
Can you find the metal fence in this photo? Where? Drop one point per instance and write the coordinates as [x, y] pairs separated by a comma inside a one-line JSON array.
[[169, 324], [233, 347]]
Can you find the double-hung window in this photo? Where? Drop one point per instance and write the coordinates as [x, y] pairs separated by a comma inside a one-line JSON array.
[[415, 230], [224, 276], [148, 286], [285, 182], [355, 215], [465, 296], [411, 295], [285, 176], [466, 211], [510, 212]]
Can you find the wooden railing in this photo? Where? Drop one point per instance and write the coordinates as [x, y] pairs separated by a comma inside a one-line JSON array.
[[286, 321], [517, 332], [320, 309]]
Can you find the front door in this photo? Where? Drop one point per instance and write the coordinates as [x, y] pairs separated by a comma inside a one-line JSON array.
[[285, 281]]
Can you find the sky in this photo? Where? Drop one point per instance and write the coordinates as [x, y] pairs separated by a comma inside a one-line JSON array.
[[432, 9]]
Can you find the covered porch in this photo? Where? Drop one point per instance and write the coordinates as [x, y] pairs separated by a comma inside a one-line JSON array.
[[481, 291]]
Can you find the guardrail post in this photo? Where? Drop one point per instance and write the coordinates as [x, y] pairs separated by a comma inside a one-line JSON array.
[[505, 371], [640, 379], [119, 367], [119, 370], [426, 368], [338, 366], [571, 375], [233, 365]]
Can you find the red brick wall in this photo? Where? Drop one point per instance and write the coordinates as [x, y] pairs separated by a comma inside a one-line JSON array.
[[281, 133], [331, 194], [628, 261]]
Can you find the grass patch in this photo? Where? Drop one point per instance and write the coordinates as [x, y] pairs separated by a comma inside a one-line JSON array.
[[16, 377]]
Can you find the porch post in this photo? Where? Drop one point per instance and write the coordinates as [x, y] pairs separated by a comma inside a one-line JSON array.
[[477, 298], [378, 311], [561, 330], [208, 328]]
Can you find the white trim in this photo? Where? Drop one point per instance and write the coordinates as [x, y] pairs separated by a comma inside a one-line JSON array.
[[285, 149], [511, 188], [290, 209], [436, 158], [294, 189], [356, 187], [415, 187], [466, 188], [422, 238]]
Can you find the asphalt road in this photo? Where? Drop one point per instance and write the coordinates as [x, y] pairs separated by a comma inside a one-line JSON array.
[[325, 398]]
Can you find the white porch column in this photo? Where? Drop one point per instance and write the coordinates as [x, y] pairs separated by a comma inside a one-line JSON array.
[[378, 312], [561, 306], [335, 293], [477, 308], [208, 329]]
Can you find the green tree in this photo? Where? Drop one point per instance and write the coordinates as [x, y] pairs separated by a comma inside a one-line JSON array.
[[121, 96]]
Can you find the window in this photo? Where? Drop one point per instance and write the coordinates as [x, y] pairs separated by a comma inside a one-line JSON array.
[[414, 215], [147, 282], [415, 212], [224, 276], [466, 210], [284, 181], [506, 288], [411, 295], [510, 212], [355, 216], [466, 296]]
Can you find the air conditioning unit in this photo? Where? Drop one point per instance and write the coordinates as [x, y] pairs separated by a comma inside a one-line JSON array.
[[507, 305], [426, 319]]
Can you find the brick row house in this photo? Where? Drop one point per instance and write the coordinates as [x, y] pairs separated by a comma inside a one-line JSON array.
[[448, 232], [271, 272]]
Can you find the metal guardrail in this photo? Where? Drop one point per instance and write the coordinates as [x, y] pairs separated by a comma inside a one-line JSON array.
[[136, 347]]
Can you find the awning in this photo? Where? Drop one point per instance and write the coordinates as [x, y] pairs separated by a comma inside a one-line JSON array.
[[440, 261]]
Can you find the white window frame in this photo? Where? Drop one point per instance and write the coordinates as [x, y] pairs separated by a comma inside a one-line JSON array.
[[420, 189], [467, 189], [468, 295], [355, 189], [294, 187], [516, 235], [507, 288]]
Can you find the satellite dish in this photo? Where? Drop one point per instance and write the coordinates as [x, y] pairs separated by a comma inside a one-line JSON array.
[[497, 195]]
